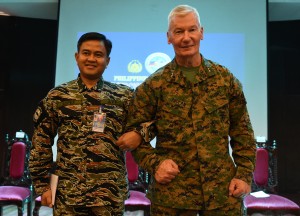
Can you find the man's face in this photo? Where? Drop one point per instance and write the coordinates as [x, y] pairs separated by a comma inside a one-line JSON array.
[[185, 34], [92, 59]]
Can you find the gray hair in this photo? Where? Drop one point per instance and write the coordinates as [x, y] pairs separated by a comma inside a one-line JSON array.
[[182, 10]]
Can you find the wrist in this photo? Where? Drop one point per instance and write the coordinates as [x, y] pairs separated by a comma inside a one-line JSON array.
[[47, 188]]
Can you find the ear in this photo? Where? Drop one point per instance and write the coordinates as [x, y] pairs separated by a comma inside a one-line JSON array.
[[107, 61], [76, 56], [202, 35], [168, 37]]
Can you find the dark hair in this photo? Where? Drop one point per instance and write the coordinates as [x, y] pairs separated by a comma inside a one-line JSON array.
[[95, 36]]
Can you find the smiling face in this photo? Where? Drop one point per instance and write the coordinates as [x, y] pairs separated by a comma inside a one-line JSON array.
[[92, 60], [185, 34]]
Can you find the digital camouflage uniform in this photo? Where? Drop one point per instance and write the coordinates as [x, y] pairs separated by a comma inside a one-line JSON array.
[[90, 166], [194, 122]]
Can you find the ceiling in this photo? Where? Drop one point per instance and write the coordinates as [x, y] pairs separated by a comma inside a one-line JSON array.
[[279, 10], [40, 9]]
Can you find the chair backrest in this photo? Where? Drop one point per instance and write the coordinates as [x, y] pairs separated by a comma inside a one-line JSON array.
[[16, 169], [261, 171], [132, 168], [17, 160], [265, 172]]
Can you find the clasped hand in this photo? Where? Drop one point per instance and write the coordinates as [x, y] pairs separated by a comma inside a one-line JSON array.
[[166, 171], [129, 141], [238, 188], [46, 199]]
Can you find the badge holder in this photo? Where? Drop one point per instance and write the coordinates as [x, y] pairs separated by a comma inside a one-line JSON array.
[[99, 121]]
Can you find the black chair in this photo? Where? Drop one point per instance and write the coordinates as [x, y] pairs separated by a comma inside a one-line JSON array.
[[137, 187], [16, 187], [265, 180], [37, 206]]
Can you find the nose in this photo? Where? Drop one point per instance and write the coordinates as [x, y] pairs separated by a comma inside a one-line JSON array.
[[186, 35], [91, 57]]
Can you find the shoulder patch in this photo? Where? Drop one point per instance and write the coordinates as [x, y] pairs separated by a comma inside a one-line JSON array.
[[37, 114]]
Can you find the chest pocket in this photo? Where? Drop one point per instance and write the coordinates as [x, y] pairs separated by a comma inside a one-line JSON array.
[[217, 117], [175, 108], [115, 112], [69, 109], [216, 103], [216, 99]]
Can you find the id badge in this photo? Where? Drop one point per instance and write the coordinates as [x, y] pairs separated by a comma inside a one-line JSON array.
[[99, 122]]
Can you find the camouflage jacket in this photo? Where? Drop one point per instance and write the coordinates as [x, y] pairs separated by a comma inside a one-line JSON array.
[[91, 168], [195, 123]]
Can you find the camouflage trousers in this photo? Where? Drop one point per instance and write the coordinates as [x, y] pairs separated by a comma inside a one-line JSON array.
[[233, 210], [61, 209]]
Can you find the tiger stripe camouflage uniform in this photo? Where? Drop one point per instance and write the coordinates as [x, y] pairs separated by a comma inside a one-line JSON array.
[[194, 121], [91, 168]]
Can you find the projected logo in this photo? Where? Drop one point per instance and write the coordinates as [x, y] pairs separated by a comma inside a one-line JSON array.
[[134, 66], [155, 61]]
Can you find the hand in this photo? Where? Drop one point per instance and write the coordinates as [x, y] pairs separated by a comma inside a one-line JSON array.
[[238, 188], [129, 141], [166, 171], [46, 199]]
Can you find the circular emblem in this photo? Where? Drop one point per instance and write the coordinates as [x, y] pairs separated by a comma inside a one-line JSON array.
[[134, 66], [155, 61]]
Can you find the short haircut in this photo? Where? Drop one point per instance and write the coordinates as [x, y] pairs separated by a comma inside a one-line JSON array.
[[95, 36], [182, 10]]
